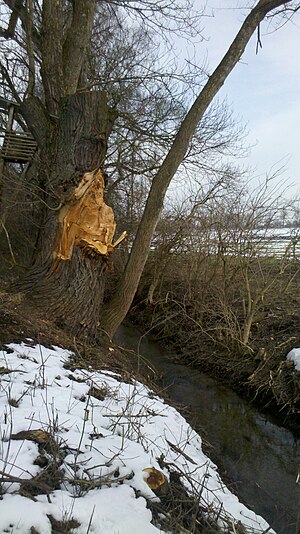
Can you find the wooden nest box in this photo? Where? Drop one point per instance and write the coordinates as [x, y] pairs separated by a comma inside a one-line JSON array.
[[17, 147]]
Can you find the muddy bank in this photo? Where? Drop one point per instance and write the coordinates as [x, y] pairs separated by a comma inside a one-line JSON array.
[[262, 376]]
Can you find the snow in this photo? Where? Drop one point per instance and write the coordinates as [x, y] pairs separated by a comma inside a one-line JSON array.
[[285, 233], [294, 356], [107, 444]]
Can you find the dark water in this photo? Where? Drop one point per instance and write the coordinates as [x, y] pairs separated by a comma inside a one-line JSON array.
[[261, 459]]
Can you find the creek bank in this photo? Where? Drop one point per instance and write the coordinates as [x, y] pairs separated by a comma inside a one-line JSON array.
[[273, 386], [258, 458], [262, 376]]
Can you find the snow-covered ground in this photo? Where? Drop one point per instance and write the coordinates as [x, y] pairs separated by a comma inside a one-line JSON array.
[[294, 356], [100, 434], [285, 233]]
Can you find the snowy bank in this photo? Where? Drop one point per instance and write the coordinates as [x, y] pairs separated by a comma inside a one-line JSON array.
[[294, 356], [74, 447]]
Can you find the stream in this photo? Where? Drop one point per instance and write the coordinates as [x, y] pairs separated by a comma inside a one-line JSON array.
[[259, 458]]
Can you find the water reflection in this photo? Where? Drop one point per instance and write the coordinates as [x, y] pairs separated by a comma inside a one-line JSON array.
[[261, 458]]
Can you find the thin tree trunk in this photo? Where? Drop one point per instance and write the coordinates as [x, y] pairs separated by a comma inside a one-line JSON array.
[[116, 310]]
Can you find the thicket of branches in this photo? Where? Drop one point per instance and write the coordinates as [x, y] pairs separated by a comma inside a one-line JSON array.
[[222, 275]]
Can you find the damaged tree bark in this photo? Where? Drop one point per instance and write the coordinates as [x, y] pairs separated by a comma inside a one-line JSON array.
[[81, 232], [85, 221]]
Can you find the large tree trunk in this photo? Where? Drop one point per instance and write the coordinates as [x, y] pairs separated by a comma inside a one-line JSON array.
[[76, 144]]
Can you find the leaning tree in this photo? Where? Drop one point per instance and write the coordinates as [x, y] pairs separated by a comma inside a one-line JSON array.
[[71, 123]]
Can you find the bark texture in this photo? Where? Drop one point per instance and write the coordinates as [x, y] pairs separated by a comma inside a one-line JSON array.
[[76, 43], [72, 131], [51, 49]]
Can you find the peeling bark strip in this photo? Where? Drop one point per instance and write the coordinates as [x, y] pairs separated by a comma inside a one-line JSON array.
[[85, 221]]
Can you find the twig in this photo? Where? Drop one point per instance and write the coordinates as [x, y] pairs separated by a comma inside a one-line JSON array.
[[177, 449]]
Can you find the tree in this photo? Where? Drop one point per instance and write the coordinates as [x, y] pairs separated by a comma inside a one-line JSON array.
[[119, 305], [66, 120]]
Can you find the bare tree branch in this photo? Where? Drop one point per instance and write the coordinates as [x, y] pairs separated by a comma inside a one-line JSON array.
[[19, 11], [7, 78], [52, 71], [76, 43], [16, 6], [30, 51]]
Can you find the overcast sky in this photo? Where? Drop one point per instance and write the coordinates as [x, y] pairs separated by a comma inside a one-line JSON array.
[[264, 89]]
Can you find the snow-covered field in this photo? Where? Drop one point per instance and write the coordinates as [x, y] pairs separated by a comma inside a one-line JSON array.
[[96, 435]]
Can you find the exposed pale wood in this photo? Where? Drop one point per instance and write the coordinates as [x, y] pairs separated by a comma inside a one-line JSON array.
[[85, 221]]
